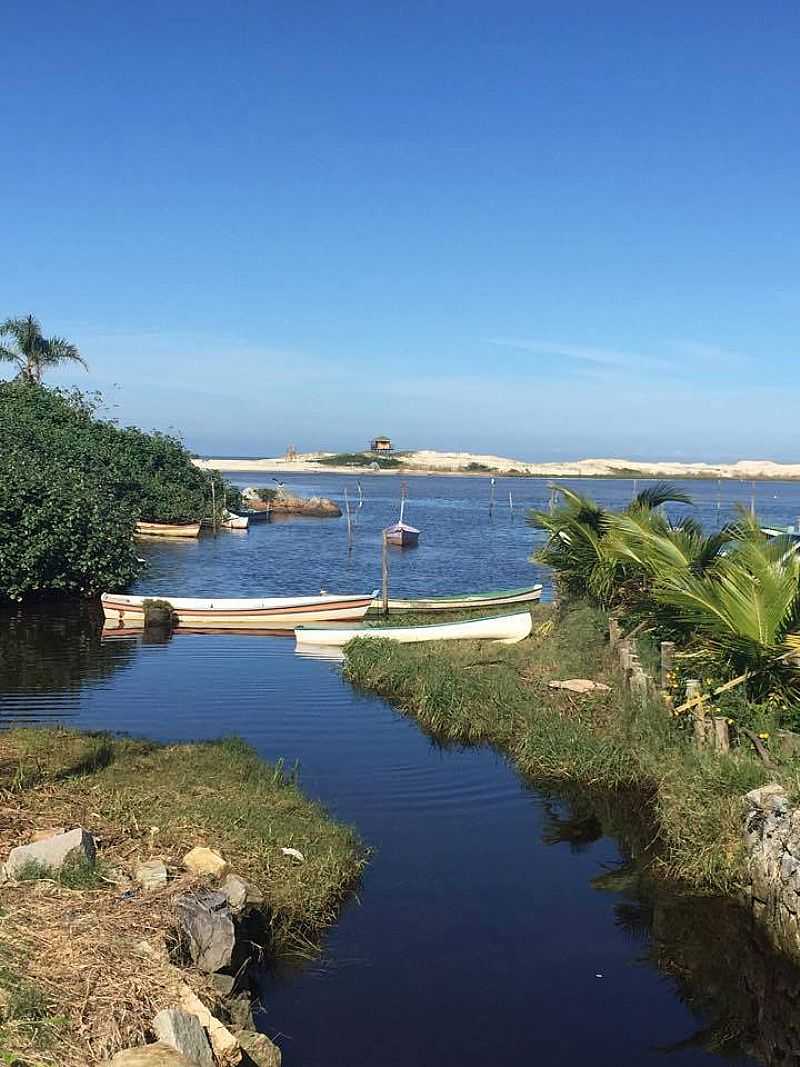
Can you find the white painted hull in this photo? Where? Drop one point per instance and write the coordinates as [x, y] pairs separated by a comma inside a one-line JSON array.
[[235, 522], [476, 601], [507, 629], [277, 612]]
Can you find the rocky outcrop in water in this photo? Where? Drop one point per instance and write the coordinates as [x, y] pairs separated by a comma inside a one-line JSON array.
[[281, 502]]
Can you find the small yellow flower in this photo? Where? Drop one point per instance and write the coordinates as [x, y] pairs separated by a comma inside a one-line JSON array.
[[764, 737]]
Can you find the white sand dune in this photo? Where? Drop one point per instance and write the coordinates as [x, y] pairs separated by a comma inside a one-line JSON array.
[[431, 462]]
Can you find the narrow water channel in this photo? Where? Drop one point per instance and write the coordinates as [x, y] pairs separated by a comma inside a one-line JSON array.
[[494, 924]]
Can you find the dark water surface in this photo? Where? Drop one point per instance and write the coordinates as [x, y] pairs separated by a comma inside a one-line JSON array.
[[494, 924]]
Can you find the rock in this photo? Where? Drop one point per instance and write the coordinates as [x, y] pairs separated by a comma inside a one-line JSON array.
[[151, 875], [259, 1050], [181, 1030], [241, 894], [759, 798], [240, 1010], [222, 983], [158, 1055], [226, 1047], [53, 852], [205, 919], [580, 685], [44, 835], [205, 861]]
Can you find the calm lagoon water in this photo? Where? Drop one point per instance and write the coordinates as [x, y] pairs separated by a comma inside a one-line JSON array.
[[495, 923]]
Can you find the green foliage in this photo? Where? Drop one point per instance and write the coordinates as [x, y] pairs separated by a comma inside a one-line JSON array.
[[359, 459], [73, 485], [731, 598]]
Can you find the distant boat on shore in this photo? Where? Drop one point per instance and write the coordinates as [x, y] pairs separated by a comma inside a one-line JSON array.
[[167, 529]]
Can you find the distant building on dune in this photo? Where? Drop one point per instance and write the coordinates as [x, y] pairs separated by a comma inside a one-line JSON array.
[[380, 444]]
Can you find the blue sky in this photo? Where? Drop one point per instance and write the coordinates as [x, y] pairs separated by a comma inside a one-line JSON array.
[[545, 229]]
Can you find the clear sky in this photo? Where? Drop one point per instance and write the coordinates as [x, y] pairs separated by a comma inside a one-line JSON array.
[[545, 229]]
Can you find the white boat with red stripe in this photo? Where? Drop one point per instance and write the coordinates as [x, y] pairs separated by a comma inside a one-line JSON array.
[[278, 612]]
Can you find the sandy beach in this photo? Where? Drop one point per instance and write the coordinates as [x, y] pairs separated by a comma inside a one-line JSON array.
[[427, 462]]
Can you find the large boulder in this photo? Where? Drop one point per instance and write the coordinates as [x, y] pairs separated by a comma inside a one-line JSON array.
[[52, 852], [206, 922], [182, 1031], [158, 1055]]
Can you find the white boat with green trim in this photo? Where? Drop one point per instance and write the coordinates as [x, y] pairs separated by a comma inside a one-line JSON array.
[[497, 598], [506, 629]]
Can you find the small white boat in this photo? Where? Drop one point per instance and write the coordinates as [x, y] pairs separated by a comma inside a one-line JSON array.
[[465, 601], [278, 612], [507, 629], [230, 521]]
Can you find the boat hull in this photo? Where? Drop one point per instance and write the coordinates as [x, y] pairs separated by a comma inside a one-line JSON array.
[[277, 612], [167, 529], [506, 629], [479, 601], [401, 534]]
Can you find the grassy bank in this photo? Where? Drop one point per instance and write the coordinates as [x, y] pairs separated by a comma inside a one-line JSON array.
[[493, 694], [83, 962]]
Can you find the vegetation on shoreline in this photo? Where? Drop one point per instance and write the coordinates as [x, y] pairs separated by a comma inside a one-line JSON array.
[[471, 693], [360, 459], [75, 981], [73, 485], [729, 600]]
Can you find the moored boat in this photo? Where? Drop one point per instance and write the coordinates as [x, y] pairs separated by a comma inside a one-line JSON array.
[[506, 629], [279, 612], [167, 529], [231, 521], [464, 601], [400, 533]]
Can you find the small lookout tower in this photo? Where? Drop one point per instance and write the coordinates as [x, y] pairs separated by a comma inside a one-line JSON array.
[[380, 444]]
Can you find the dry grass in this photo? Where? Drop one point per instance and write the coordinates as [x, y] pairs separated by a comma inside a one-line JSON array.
[[91, 962]]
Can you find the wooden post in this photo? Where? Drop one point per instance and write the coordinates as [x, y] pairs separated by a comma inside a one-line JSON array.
[[721, 734], [698, 712], [491, 494], [613, 633], [510, 503], [213, 506], [667, 659], [385, 575], [349, 522]]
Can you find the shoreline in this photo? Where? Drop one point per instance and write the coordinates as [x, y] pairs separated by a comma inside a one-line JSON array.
[[464, 464]]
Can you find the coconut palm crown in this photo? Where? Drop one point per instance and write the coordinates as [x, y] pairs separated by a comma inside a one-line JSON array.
[[31, 352]]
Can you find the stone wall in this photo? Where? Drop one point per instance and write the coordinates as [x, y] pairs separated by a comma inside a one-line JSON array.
[[772, 840]]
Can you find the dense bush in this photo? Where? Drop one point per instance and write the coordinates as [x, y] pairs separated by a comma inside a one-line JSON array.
[[72, 487]]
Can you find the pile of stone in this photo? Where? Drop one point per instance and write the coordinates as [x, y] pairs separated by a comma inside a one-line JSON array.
[[218, 921]]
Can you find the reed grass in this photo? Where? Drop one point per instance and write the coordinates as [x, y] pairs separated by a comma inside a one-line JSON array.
[[483, 693]]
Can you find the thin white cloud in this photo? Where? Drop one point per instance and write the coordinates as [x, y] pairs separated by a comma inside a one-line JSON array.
[[606, 357]]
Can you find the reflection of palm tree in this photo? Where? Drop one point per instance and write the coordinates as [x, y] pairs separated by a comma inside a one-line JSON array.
[[31, 352]]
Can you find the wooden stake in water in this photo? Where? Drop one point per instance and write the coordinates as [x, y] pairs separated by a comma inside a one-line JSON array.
[[213, 506], [552, 489], [635, 487], [753, 498], [385, 575], [491, 494], [719, 499], [510, 503], [349, 521]]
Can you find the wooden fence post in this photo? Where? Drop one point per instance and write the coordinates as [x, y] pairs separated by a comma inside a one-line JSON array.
[[667, 660], [385, 574], [721, 734], [698, 711]]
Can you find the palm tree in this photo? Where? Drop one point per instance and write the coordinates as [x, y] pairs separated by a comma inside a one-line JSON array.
[[31, 352]]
